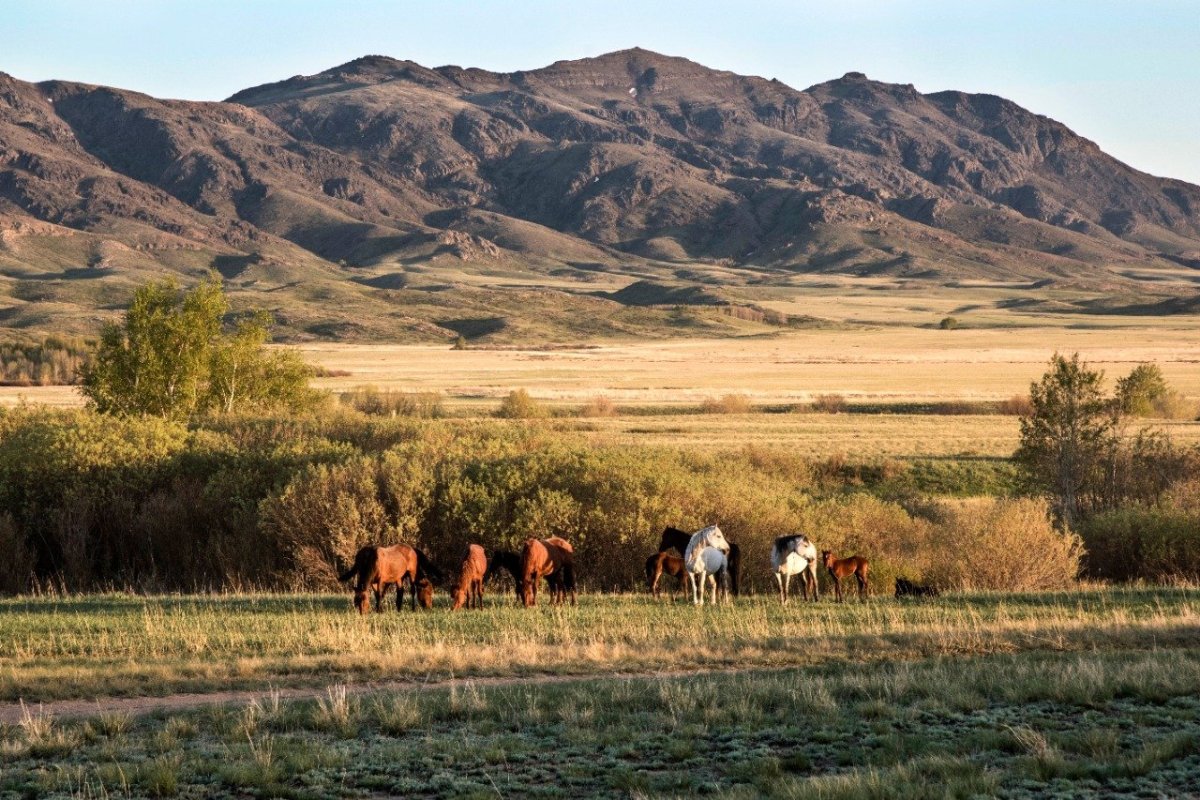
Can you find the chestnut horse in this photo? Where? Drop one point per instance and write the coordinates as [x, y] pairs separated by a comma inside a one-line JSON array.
[[841, 568], [660, 563], [425, 593], [379, 567], [469, 591], [677, 539], [510, 562], [553, 559]]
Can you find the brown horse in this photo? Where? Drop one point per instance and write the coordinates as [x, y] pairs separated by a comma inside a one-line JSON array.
[[469, 592], [841, 568], [660, 563], [379, 567], [508, 561], [677, 539], [552, 559], [425, 593]]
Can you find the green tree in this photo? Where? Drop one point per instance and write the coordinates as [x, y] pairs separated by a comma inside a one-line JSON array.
[[1141, 391], [170, 357], [1069, 435]]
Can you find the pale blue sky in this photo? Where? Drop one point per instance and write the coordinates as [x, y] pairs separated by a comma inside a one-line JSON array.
[[1125, 74]]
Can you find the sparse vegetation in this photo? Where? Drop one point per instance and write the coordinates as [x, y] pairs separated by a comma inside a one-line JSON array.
[[948, 323]]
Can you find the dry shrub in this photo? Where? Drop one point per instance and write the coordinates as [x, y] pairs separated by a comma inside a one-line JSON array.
[[598, 406], [830, 404], [1005, 545], [519, 405], [1019, 405], [1174, 405], [394, 403], [727, 404]]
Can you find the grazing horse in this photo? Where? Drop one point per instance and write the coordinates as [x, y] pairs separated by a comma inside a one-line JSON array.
[[841, 568], [553, 559], [706, 559], [660, 563], [425, 593], [677, 539], [906, 588], [379, 567], [794, 555], [508, 561], [469, 591]]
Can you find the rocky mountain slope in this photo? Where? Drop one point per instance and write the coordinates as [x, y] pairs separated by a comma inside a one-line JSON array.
[[369, 199]]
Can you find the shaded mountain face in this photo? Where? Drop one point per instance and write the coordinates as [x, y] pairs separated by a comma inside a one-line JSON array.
[[378, 168]]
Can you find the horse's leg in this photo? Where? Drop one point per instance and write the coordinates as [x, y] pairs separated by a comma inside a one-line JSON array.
[[691, 577], [837, 587], [779, 582], [862, 583]]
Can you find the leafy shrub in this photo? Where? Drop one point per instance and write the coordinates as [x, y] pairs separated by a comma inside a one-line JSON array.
[[948, 323], [519, 405], [726, 404]]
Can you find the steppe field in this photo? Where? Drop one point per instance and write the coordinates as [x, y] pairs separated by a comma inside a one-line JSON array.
[[1085, 692]]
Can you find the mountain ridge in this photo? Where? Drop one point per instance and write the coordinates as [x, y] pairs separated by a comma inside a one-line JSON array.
[[629, 163]]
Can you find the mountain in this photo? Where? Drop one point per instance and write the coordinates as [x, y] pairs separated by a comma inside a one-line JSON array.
[[382, 198]]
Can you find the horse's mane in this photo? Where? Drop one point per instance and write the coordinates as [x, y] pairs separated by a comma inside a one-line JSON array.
[[789, 542]]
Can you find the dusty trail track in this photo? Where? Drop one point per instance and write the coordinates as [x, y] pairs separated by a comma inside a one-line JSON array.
[[13, 713]]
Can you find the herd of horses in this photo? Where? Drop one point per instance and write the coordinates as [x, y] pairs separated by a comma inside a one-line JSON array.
[[705, 560]]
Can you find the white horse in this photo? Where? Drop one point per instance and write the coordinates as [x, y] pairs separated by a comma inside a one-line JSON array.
[[794, 555], [706, 558]]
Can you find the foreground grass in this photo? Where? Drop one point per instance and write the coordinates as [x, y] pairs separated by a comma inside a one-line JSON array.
[[1101, 724], [55, 648]]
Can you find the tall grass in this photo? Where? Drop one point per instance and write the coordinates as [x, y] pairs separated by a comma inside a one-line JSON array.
[[116, 644]]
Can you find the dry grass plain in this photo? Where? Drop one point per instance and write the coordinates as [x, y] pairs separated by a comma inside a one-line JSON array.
[[1090, 692], [865, 365]]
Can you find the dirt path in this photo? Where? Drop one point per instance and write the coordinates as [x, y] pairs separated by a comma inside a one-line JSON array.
[[13, 713]]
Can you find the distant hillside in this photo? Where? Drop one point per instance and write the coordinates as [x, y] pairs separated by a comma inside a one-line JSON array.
[[385, 199]]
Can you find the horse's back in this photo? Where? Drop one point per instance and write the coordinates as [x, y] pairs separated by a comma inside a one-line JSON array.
[[475, 560]]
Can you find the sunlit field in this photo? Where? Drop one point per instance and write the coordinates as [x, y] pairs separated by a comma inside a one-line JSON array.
[[1091, 691], [54, 648]]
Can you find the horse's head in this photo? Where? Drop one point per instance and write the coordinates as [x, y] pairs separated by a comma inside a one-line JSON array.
[[827, 558], [460, 599], [713, 537], [527, 587], [361, 601], [425, 593]]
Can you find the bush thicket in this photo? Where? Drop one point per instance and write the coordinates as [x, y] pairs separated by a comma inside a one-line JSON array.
[[283, 502]]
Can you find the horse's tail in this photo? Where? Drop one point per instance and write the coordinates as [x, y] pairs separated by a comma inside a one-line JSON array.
[[363, 561], [735, 568], [427, 569]]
